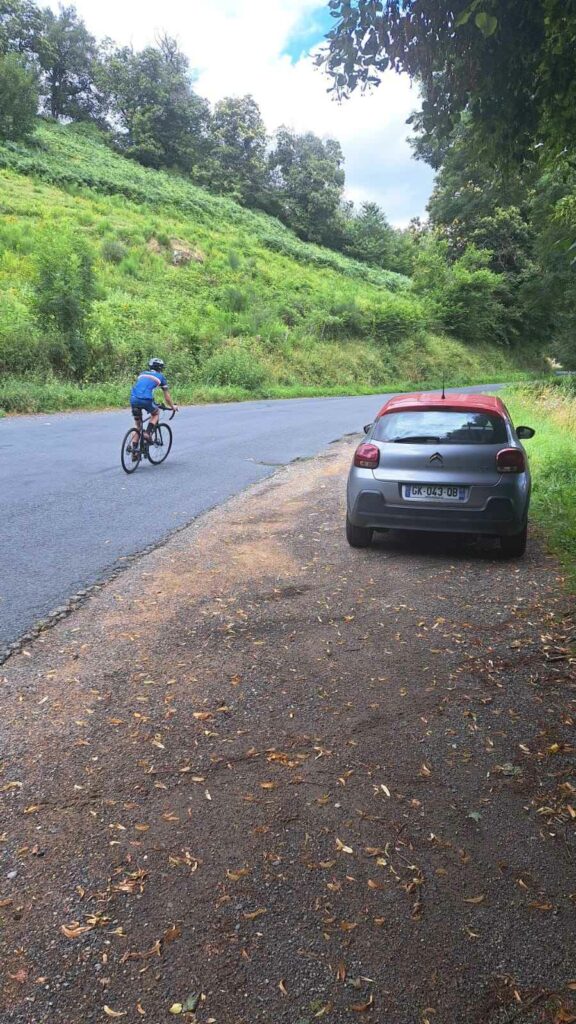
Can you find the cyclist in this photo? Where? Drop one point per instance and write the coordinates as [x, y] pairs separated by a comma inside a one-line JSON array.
[[142, 397]]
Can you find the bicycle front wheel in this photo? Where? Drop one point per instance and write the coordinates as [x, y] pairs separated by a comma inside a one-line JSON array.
[[159, 447], [130, 458]]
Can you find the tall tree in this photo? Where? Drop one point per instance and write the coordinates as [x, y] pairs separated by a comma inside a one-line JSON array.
[[67, 56], [21, 23], [237, 164], [161, 121], [371, 238], [308, 180], [60, 49], [18, 98]]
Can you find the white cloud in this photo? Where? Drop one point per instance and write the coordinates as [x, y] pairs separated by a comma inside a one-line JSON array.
[[239, 46]]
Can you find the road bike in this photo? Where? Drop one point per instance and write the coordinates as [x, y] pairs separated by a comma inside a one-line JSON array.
[[156, 450]]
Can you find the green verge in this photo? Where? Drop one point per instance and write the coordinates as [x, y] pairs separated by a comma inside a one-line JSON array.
[[551, 410], [29, 396]]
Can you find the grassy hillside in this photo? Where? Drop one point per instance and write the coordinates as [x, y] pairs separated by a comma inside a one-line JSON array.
[[232, 300]]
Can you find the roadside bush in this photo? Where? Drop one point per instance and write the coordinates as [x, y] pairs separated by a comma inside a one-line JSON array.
[[65, 287], [234, 367], [114, 251], [466, 298], [398, 317], [234, 300], [342, 320], [21, 350], [130, 265], [473, 306]]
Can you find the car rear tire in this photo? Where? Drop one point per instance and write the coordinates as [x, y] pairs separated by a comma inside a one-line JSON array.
[[358, 536], [515, 545]]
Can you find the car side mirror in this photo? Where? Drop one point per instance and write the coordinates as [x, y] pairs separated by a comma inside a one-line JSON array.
[[367, 427], [524, 433]]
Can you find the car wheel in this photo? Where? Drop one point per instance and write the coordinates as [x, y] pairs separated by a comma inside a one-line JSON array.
[[515, 545], [358, 536]]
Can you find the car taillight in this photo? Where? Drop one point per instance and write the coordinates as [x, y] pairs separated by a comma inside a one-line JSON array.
[[367, 456], [510, 460]]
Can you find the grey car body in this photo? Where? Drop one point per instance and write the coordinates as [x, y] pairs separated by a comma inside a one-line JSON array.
[[439, 468]]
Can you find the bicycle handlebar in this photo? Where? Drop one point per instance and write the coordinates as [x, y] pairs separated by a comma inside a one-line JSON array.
[[165, 409]]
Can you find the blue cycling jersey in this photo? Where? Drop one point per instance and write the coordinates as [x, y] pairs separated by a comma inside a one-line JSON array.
[[146, 384]]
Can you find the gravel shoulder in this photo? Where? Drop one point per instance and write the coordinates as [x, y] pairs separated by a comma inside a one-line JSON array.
[[262, 778]]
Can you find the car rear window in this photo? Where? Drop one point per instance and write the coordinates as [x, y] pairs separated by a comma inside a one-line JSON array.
[[441, 426]]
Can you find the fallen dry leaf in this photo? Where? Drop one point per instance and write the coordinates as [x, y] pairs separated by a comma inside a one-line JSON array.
[[564, 1016], [114, 1013], [20, 976], [475, 899], [74, 930], [325, 1009], [342, 847], [255, 913], [363, 1007], [282, 987], [235, 876]]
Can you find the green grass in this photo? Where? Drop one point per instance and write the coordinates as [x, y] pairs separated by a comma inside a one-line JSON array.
[[51, 395], [258, 313], [551, 410]]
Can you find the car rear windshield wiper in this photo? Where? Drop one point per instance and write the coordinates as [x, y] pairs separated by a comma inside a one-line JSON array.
[[415, 439]]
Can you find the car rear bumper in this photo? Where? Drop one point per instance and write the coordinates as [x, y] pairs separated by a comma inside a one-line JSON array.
[[499, 517]]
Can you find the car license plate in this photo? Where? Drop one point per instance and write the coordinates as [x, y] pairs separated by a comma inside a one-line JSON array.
[[434, 492]]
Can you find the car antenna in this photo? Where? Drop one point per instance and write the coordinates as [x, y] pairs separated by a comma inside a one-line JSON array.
[[443, 387]]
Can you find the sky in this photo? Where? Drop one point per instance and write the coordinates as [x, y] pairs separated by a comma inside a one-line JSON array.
[[264, 47]]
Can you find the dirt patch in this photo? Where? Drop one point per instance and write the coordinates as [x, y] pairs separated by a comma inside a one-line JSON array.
[[277, 780]]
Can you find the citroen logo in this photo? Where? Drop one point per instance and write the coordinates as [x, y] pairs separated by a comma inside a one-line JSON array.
[[437, 458]]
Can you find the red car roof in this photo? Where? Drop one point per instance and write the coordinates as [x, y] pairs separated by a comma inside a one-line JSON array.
[[429, 400]]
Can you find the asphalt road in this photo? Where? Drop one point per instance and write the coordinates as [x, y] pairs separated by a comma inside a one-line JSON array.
[[69, 515]]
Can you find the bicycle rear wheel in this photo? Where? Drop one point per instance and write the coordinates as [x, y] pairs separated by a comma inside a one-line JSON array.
[[159, 447], [130, 459]]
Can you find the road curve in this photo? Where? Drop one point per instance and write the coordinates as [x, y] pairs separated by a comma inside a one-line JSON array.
[[70, 516]]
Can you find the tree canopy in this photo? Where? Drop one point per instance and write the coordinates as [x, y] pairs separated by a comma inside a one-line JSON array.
[[18, 98], [159, 119], [238, 142], [509, 64]]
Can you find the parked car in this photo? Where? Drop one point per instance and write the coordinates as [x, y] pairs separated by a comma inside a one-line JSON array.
[[452, 464]]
